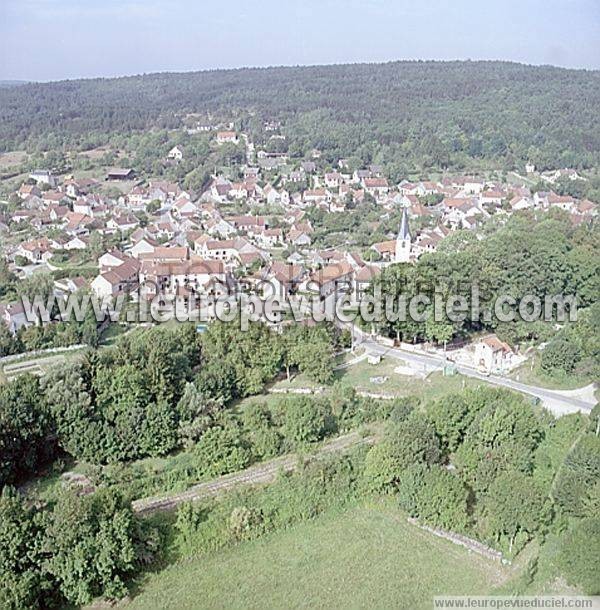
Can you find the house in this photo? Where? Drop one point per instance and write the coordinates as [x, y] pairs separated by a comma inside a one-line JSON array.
[[139, 197], [363, 278], [473, 186], [53, 197], [376, 186], [333, 180], [227, 136], [111, 260], [176, 153], [277, 279], [69, 285], [317, 196], [82, 206], [564, 202], [75, 188], [519, 202], [270, 238], [336, 277], [76, 243], [181, 278], [35, 251], [144, 245], [44, 176], [122, 223], [120, 174], [183, 207], [586, 208], [13, 315], [119, 280], [76, 224], [491, 197], [298, 237], [385, 249], [28, 190], [493, 355], [167, 254]]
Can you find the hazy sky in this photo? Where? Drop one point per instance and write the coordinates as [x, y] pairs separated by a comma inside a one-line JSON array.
[[56, 39]]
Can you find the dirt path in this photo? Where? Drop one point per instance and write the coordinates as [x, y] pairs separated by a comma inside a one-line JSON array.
[[265, 472]]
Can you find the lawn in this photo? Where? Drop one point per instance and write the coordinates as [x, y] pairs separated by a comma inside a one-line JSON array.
[[531, 372], [365, 557]]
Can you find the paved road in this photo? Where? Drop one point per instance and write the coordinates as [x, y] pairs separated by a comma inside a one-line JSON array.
[[558, 403], [265, 472]]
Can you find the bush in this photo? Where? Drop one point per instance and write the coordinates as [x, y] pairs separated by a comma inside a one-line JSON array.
[[221, 450], [435, 496], [305, 419]]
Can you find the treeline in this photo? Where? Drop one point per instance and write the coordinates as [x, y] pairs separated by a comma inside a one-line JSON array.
[[403, 114]]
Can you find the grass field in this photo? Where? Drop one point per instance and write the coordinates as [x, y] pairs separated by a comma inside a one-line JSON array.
[[366, 557], [360, 376]]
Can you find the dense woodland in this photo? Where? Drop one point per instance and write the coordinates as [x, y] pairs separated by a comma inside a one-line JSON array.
[[404, 114]]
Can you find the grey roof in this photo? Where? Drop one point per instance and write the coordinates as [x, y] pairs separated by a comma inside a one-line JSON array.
[[404, 232]]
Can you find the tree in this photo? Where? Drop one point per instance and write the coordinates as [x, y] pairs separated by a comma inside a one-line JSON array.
[[23, 583], [222, 449], [310, 349], [579, 552], [514, 504], [453, 414], [91, 542], [562, 354], [305, 419], [24, 428], [503, 435], [578, 474], [434, 495], [412, 441], [195, 413]]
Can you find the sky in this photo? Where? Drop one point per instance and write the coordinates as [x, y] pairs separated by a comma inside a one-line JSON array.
[[59, 39]]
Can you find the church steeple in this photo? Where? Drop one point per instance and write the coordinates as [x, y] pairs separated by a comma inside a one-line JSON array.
[[404, 232], [404, 239]]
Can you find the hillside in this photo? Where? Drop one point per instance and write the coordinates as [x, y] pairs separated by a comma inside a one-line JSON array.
[[430, 114]]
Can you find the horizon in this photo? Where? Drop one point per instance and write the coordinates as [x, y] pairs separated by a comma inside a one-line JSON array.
[[114, 39], [20, 81]]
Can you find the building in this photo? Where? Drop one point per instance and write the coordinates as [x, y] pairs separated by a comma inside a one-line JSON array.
[[120, 174], [493, 355], [44, 176], [403, 240], [175, 154]]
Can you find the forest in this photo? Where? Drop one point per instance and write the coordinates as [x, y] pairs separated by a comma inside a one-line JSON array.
[[407, 115]]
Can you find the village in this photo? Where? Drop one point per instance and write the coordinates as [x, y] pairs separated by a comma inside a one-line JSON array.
[[255, 235]]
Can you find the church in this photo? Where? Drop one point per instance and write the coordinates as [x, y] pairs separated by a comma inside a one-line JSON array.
[[403, 240]]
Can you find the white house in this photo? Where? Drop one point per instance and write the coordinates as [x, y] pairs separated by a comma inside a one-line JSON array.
[[175, 154]]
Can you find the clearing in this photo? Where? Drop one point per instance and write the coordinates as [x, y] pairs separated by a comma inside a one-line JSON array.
[[365, 557]]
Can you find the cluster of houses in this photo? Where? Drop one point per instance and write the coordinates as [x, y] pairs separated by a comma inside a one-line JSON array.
[[196, 244]]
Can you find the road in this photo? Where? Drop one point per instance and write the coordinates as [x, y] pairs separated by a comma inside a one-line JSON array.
[[556, 402], [265, 472]]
